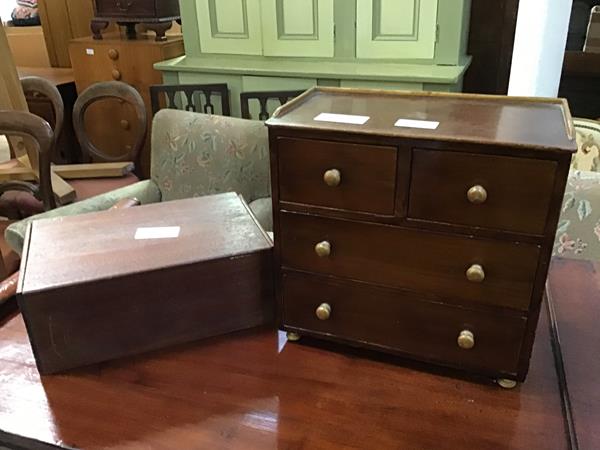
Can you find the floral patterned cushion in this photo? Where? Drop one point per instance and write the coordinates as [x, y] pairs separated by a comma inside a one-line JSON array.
[[588, 145], [578, 233], [197, 154]]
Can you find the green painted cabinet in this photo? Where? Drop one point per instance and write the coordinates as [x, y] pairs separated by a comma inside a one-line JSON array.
[[297, 28], [396, 28], [261, 45], [230, 26]]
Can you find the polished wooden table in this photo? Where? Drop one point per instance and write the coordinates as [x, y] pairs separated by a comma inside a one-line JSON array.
[[574, 300], [256, 390]]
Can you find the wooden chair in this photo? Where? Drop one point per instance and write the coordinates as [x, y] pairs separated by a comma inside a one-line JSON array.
[[28, 126], [86, 188], [40, 88], [102, 91], [263, 99], [191, 92], [15, 204]]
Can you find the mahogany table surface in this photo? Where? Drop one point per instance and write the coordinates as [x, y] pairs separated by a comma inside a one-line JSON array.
[[574, 293], [256, 390]]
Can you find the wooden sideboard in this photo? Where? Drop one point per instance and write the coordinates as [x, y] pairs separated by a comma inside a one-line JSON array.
[[254, 45], [432, 239], [129, 61]]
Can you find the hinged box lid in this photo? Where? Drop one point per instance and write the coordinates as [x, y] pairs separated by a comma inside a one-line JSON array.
[[78, 249]]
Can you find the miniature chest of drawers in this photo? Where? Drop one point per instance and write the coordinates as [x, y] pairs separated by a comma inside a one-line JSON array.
[[431, 240]]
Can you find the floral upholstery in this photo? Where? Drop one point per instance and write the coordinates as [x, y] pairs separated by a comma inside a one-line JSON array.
[[199, 154], [192, 155], [578, 232]]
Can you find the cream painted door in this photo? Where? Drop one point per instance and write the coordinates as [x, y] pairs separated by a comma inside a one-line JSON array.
[[230, 26], [297, 28], [396, 28]]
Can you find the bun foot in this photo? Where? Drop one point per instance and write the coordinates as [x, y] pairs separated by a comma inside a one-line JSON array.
[[293, 337], [506, 383]]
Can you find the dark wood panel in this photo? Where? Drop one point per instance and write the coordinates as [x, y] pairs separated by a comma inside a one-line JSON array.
[[367, 175], [85, 324], [518, 190], [400, 322], [126, 8], [573, 294], [491, 39], [253, 390], [88, 299], [426, 262]]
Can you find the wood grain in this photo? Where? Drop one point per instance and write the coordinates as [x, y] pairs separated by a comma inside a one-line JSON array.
[[63, 20], [368, 175], [519, 148], [573, 291], [430, 263], [518, 122], [253, 390], [401, 322], [519, 190], [87, 299]]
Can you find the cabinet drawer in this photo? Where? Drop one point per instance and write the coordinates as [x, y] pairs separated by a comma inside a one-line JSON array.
[[511, 194], [426, 262], [361, 177], [131, 8], [400, 321]]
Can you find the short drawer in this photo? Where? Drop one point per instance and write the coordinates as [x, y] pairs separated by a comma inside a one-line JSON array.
[[401, 322], [454, 268], [496, 192], [337, 175], [141, 8]]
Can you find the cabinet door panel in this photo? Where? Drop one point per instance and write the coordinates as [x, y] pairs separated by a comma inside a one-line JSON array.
[[297, 27], [230, 26], [396, 28]]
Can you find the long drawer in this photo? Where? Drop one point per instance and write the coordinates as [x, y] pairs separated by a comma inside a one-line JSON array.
[[455, 268], [399, 321]]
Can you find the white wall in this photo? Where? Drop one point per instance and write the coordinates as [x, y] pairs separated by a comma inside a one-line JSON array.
[[6, 8], [540, 39]]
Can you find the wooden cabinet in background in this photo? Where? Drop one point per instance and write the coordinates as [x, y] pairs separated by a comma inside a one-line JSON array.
[[63, 20], [129, 61]]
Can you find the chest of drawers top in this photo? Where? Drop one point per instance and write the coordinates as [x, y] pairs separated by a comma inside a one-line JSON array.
[[529, 123]]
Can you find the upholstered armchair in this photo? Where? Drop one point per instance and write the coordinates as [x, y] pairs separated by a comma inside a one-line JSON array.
[[578, 233], [192, 155]]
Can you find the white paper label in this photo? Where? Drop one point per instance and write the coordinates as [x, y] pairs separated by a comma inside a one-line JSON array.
[[157, 232], [342, 118], [89, 51], [412, 123]]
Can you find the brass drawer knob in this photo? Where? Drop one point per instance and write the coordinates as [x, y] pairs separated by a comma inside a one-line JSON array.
[[466, 340], [323, 249], [323, 311], [475, 273], [332, 177], [477, 195], [113, 54], [116, 74]]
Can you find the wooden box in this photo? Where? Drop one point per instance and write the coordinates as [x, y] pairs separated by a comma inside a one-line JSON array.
[[420, 224], [104, 285]]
